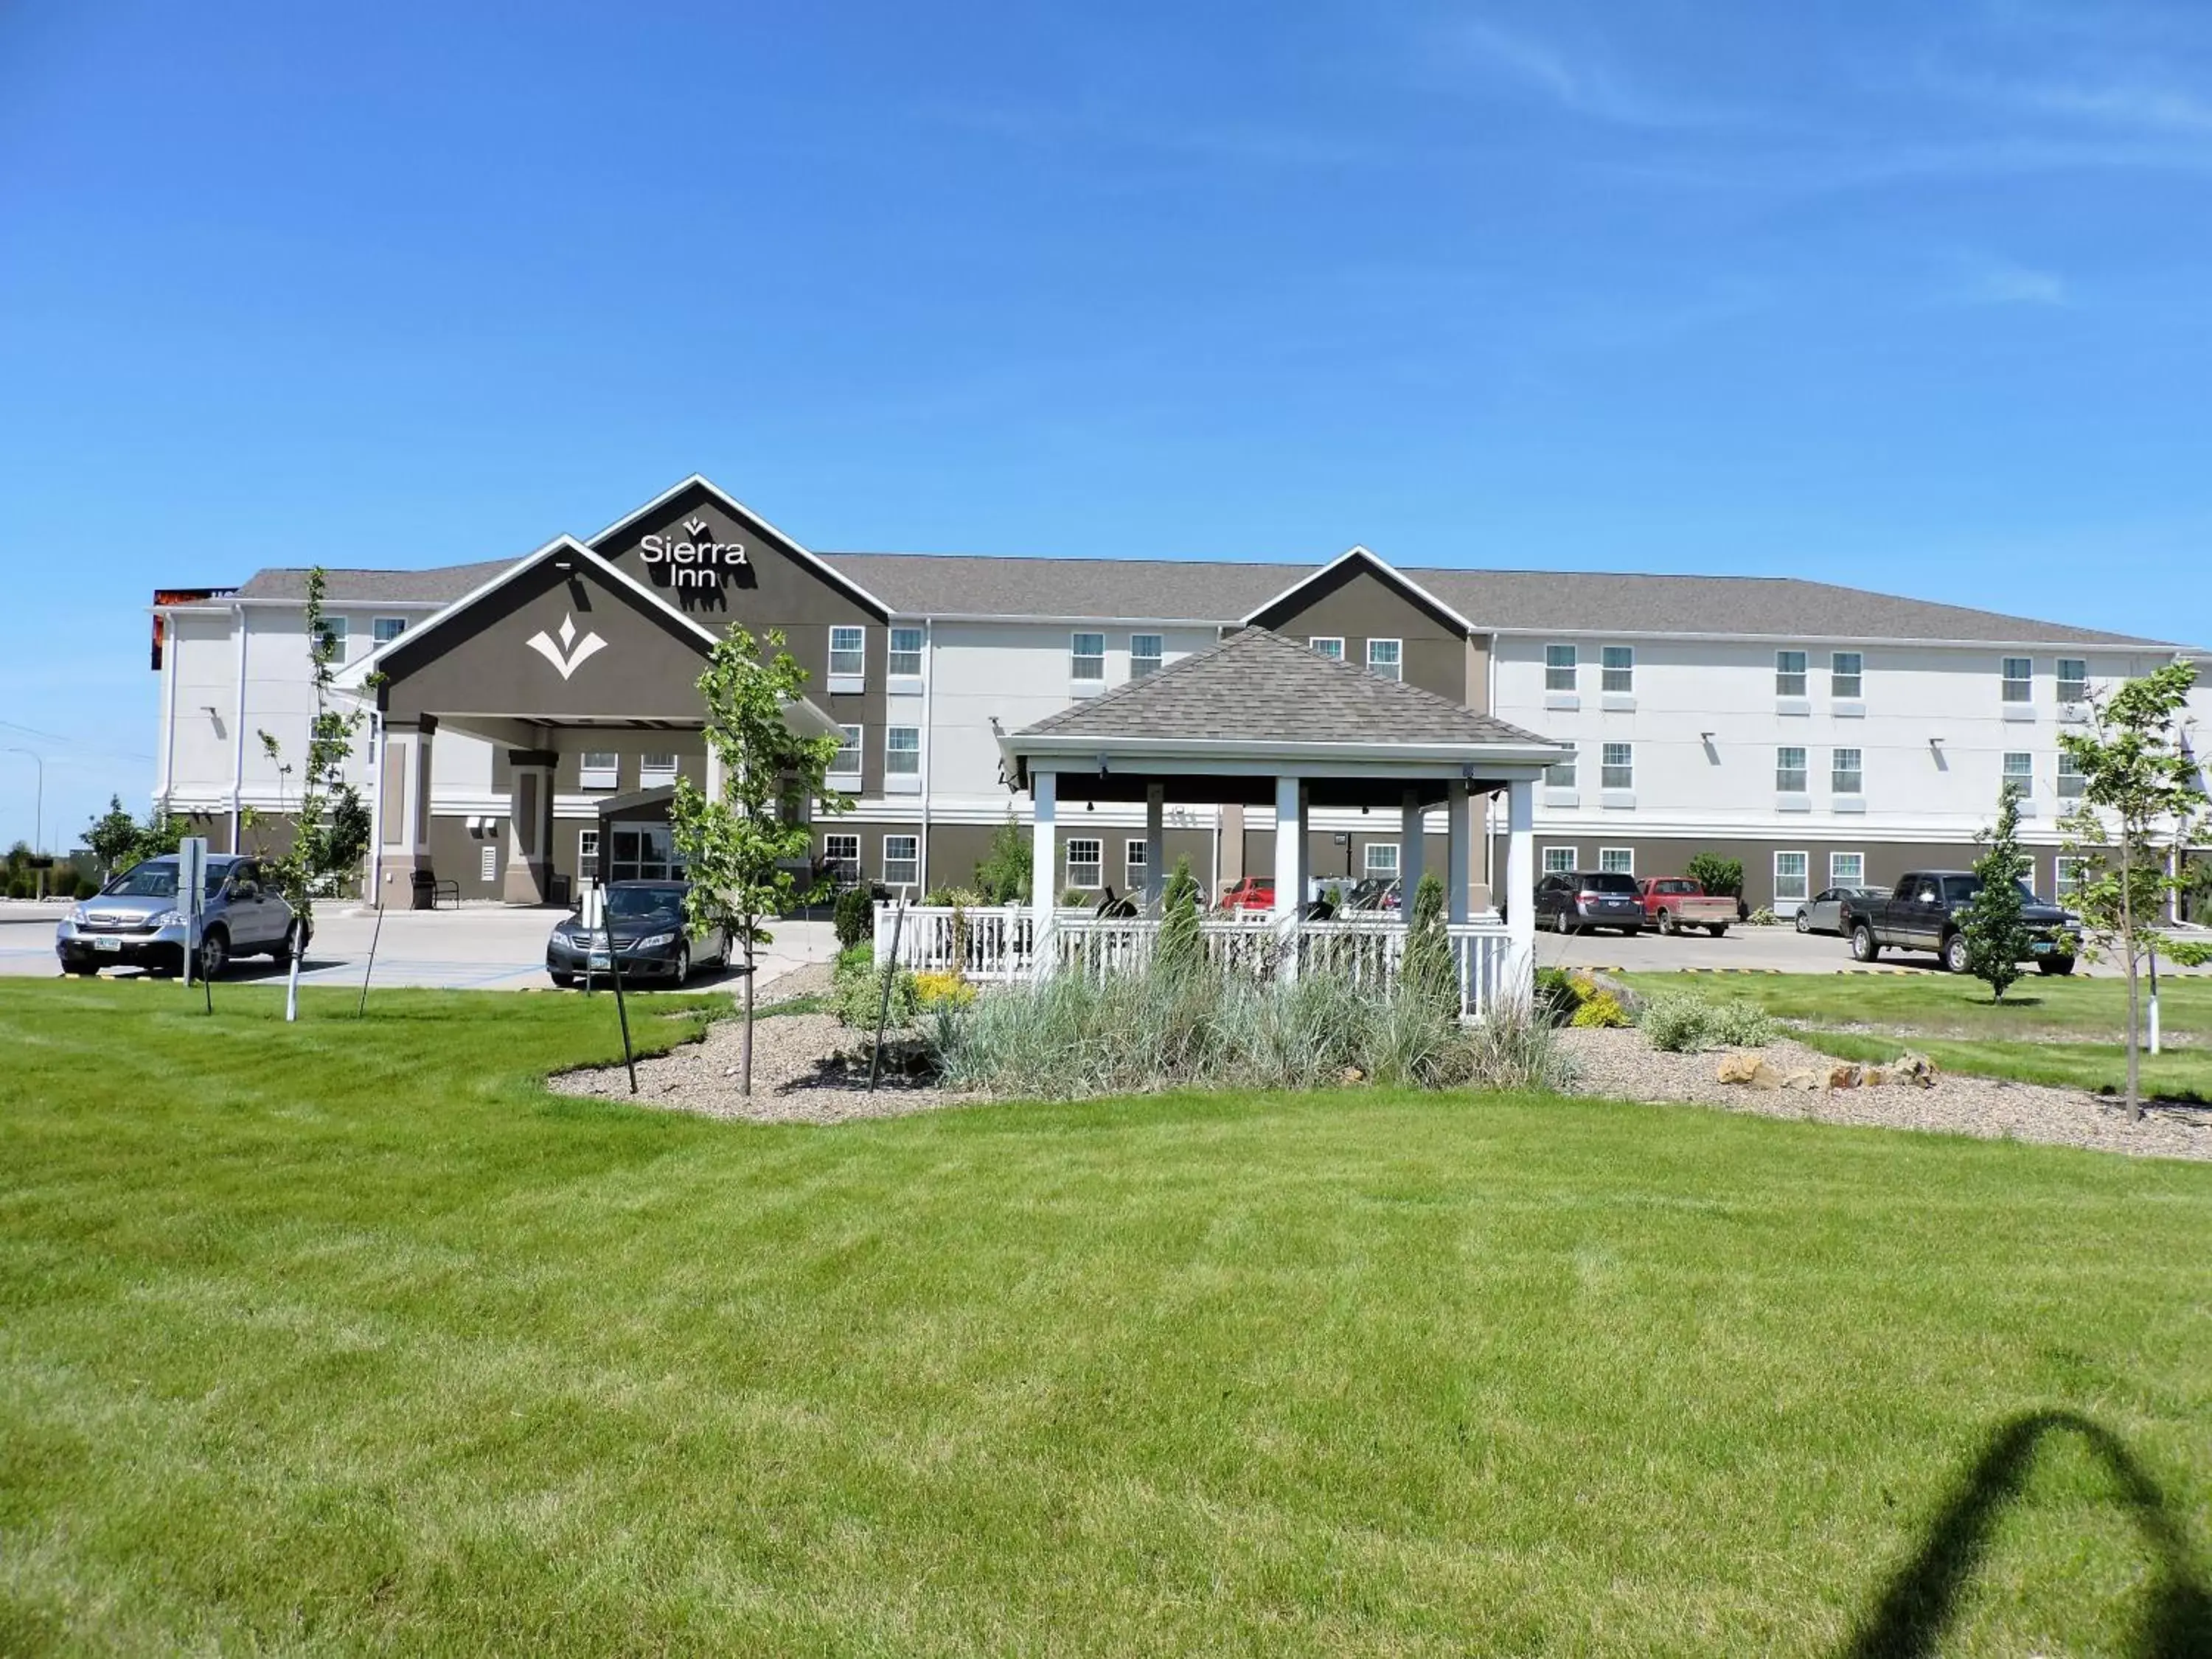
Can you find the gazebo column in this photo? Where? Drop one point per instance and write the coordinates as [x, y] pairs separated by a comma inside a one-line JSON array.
[[1413, 852], [1155, 842], [1290, 845], [1044, 794], [1455, 814], [1520, 867]]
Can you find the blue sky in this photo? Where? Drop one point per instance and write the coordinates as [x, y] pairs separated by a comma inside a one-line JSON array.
[[1905, 296]]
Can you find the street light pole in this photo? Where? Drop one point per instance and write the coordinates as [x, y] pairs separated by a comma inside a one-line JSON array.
[[38, 808]]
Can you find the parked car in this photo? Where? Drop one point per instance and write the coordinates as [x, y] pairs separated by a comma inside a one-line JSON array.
[[136, 921], [1583, 901], [1922, 914], [651, 934], [1253, 894], [1829, 911], [1375, 895], [1672, 904]]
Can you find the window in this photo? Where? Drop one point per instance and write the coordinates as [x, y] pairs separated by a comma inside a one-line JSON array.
[[599, 769], [1790, 877], [587, 854], [1616, 860], [642, 852], [1385, 658], [333, 639], [1561, 860], [1082, 862], [1617, 766], [2072, 786], [488, 861], [1383, 860], [2072, 873], [1847, 771], [841, 857], [2019, 770], [902, 861], [1847, 869], [1789, 673], [848, 652], [1133, 864], [846, 761], [1559, 668], [906, 652], [1143, 655], [2072, 680], [387, 628], [1847, 676], [1789, 771], [1560, 774], [2019, 679], [1620, 669], [1324, 645], [903, 751], [1086, 657], [656, 769]]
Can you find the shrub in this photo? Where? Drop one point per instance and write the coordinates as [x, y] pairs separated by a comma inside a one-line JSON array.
[[1427, 970], [1763, 917], [853, 959], [1181, 947], [854, 917], [1683, 1024], [858, 998], [941, 989], [1559, 994], [1716, 875], [1077, 898], [1003, 876], [1601, 1010]]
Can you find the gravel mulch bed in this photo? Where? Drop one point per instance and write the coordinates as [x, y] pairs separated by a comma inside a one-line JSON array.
[[800, 1071], [1621, 1065]]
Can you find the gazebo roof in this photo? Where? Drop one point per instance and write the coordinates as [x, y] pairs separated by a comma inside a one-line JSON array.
[[1257, 704]]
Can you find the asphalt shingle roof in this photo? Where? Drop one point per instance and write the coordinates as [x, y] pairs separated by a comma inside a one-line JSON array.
[[1573, 602], [1255, 686]]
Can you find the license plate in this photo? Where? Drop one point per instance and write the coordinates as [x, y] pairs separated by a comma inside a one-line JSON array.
[[599, 959], [107, 945], [2043, 947]]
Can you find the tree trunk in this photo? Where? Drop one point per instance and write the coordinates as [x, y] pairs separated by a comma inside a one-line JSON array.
[[2128, 946], [745, 1049]]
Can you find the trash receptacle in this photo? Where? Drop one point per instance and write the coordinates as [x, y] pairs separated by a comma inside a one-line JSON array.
[[424, 893]]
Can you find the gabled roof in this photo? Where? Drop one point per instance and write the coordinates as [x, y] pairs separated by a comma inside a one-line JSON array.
[[353, 676], [1390, 574], [1258, 689], [760, 526]]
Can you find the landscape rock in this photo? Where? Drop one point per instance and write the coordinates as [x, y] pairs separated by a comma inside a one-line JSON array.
[[1845, 1076], [1804, 1078], [1737, 1067], [1916, 1069], [1764, 1076]]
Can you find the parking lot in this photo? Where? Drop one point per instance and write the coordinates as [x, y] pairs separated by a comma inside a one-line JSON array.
[[478, 948], [1744, 949]]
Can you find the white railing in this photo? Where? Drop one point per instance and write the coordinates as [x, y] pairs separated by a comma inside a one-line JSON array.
[[998, 942]]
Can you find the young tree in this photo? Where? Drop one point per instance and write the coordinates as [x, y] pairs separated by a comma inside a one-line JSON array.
[[1998, 940], [739, 843], [323, 841], [1427, 970], [2141, 787], [159, 835], [1003, 874], [112, 837]]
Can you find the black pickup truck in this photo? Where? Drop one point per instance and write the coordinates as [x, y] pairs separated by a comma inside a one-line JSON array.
[[1922, 914]]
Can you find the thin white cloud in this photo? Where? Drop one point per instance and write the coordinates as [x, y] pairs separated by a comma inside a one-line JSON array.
[[1986, 281], [2141, 108], [1583, 84]]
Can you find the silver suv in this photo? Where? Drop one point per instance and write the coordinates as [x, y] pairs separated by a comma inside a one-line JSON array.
[[134, 921]]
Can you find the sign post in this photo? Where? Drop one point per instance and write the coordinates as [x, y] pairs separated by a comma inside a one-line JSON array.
[[191, 899]]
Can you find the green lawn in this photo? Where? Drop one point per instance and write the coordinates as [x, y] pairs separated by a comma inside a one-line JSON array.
[[347, 1335], [2067, 1031]]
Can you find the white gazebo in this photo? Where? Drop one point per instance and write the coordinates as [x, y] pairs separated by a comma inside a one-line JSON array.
[[1260, 721]]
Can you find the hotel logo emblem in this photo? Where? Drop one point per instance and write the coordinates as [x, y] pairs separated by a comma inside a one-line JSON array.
[[572, 652]]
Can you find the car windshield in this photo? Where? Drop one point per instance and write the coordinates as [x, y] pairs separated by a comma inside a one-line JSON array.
[[1607, 882], [157, 878], [645, 904]]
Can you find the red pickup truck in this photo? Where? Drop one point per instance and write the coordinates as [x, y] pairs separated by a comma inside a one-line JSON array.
[[1674, 902]]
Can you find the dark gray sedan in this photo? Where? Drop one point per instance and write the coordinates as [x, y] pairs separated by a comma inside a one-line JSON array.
[[652, 935]]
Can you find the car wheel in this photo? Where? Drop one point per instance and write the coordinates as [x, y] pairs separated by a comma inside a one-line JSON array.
[[1667, 923], [1718, 930], [81, 970], [2054, 964], [1863, 949], [214, 953], [1956, 954], [682, 961], [1804, 922], [1559, 922]]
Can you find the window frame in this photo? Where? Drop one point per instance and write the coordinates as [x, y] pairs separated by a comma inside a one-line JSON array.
[[2073, 688], [591, 775], [832, 855], [1572, 765], [1804, 876], [1135, 861], [379, 625], [651, 774], [1836, 879], [1837, 772], [1838, 675], [1547, 867], [2024, 776], [587, 854], [1144, 663], [893, 665], [2007, 680], [1316, 641], [1096, 861], [1607, 766], [892, 748], [2062, 884], [2073, 782], [1607, 669], [1571, 668], [1375, 871], [1077, 657], [336, 639], [1395, 663], [855, 654], [1617, 854], [911, 859], [1790, 682], [837, 779], [1784, 771]]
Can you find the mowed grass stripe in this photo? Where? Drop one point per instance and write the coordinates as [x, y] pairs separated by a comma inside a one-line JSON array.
[[346, 1334]]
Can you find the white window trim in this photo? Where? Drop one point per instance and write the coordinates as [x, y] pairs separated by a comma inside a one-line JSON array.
[[829, 852], [903, 783], [589, 776], [650, 776], [1132, 863], [1605, 853], [849, 782], [1544, 861], [377, 625], [847, 683], [587, 854], [913, 857], [901, 681], [1397, 662], [1836, 879], [1315, 642], [1086, 684], [1805, 875], [1367, 860], [1098, 861], [1157, 659]]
